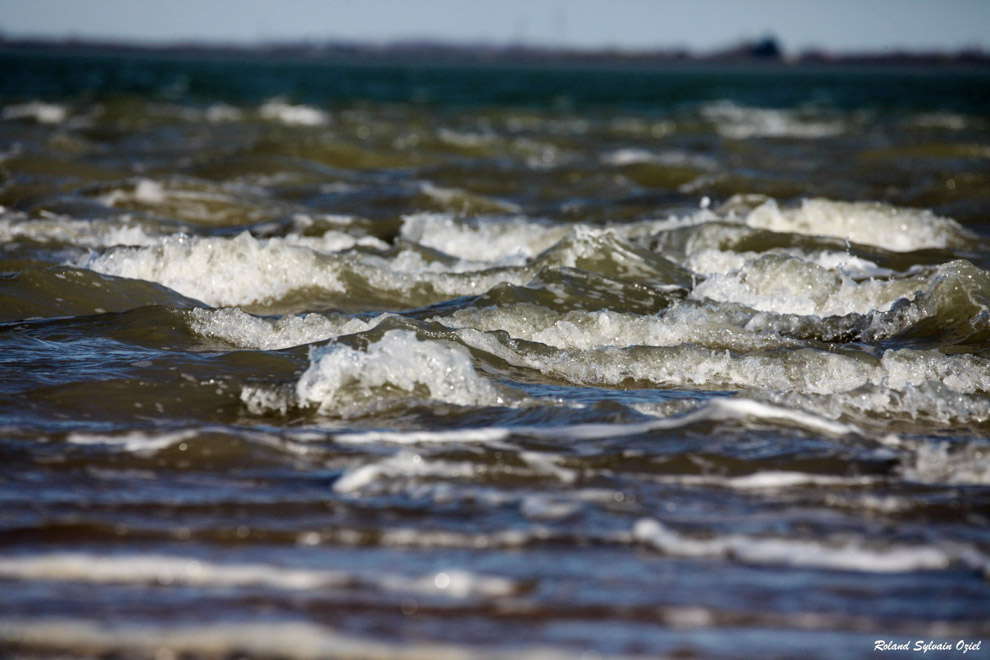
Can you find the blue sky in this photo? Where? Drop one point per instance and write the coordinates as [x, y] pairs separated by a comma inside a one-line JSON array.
[[838, 25]]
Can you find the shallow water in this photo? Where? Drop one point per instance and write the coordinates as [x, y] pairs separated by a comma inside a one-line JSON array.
[[309, 359]]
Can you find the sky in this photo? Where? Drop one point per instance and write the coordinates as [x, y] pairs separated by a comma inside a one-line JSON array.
[[698, 25]]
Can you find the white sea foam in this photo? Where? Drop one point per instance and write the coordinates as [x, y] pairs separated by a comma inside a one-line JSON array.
[[411, 261], [221, 271], [422, 477], [172, 570], [548, 507], [304, 221], [868, 223], [439, 538], [39, 111], [121, 230], [679, 324], [471, 435], [149, 192], [395, 470], [503, 240], [911, 408], [645, 229], [846, 264], [293, 115], [136, 442], [741, 409], [261, 400], [467, 139], [244, 270], [790, 285], [965, 463], [942, 120], [712, 261], [163, 569], [343, 380], [145, 191], [773, 479], [806, 371], [843, 554], [219, 113], [740, 122], [332, 241], [746, 412], [241, 329], [635, 156], [267, 638]]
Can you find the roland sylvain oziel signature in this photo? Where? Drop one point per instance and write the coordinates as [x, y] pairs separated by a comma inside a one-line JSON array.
[[924, 646]]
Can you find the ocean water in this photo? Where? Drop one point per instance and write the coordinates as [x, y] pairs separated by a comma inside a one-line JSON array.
[[303, 359]]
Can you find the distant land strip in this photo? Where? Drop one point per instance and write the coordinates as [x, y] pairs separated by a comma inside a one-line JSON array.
[[764, 52]]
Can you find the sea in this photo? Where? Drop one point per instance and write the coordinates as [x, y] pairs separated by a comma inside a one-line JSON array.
[[310, 358]]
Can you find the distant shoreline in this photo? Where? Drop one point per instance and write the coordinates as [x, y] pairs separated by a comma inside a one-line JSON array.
[[764, 54]]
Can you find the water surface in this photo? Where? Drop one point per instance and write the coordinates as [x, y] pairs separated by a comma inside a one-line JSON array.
[[305, 359]]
